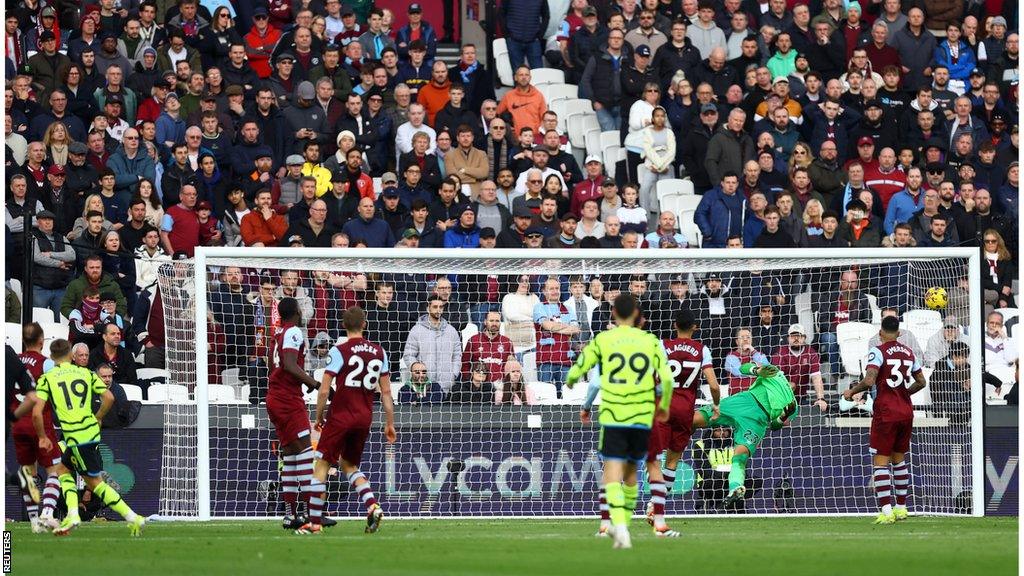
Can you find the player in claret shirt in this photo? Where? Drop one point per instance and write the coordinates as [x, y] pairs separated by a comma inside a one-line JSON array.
[[26, 446], [892, 368], [687, 360], [360, 370], [287, 410]]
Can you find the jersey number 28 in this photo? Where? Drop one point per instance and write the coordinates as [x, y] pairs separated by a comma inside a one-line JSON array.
[[361, 373]]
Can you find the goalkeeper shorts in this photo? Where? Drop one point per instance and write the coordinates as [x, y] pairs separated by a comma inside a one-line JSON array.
[[745, 416]]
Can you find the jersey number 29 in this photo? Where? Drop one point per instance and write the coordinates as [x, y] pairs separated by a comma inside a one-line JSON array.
[[361, 373]]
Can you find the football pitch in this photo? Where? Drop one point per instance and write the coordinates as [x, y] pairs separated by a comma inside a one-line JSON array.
[[741, 546]]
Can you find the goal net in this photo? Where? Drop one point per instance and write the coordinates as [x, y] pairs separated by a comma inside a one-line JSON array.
[[486, 428]]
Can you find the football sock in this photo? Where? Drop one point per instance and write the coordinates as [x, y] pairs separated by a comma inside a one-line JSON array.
[[658, 500], [738, 472], [70, 493], [631, 493], [883, 489], [616, 503], [50, 494], [603, 506], [361, 485], [111, 498], [316, 501], [30, 507], [901, 483], [289, 485], [670, 478], [303, 463]]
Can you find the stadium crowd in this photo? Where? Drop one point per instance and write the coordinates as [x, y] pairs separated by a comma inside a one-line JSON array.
[[138, 131]]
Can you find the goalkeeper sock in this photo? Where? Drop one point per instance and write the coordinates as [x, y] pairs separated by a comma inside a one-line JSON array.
[[50, 494], [111, 498], [883, 489], [738, 472], [901, 483], [316, 501], [658, 501], [670, 478], [30, 506], [289, 485], [631, 493], [616, 503], [70, 493], [602, 505], [361, 486], [303, 463]]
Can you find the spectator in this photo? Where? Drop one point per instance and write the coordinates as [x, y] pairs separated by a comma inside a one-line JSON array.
[[420, 389], [905, 337], [488, 348], [514, 389], [525, 24], [524, 102], [845, 304], [743, 352], [999, 349], [434, 95], [589, 225], [408, 133], [800, 363], [554, 325], [435, 343], [130, 164], [114, 354], [374, 40], [263, 226], [729, 148], [372, 230], [705, 34], [600, 80], [466, 234], [120, 264], [905, 203], [997, 272], [859, 228], [937, 236], [54, 260], [987, 219], [92, 277], [149, 256], [468, 163], [720, 212], [942, 342]]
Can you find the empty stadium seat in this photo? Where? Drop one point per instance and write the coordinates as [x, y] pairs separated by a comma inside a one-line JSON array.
[[804, 314], [610, 138], [593, 141], [579, 125], [923, 324], [44, 315], [924, 395], [220, 394], [505, 74], [468, 332], [167, 393], [540, 76], [132, 392], [12, 335], [852, 338], [685, 207], [611, 155], [158, 374], [562, 92], [530, 367], [676, 186], [232, 377]]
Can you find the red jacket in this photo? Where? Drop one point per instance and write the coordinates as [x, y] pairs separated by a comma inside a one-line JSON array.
[[259, 48]]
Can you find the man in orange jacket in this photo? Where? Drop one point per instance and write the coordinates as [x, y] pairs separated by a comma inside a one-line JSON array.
[[525, 102], [434, 96], [263, 226]]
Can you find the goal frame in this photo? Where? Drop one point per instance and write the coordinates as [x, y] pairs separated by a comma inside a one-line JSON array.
[[204, 254]]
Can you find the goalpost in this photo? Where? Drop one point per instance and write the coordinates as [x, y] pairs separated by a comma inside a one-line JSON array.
[[534, 458]]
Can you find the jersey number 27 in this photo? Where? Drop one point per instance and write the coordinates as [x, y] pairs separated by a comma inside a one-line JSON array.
[[677, 368]]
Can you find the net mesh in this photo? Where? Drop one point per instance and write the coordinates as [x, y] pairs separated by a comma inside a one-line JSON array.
[[517, 448]]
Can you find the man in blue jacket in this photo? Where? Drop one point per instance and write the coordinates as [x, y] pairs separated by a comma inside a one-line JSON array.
[[906, 202], [466, 234], [131, 164], [720, 212], [416, 29], [374, 231]]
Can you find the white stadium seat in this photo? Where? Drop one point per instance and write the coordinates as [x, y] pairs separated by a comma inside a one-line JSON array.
[[685, 207], [220, 394], [505, 74], [561, 92], [132, 392], [157, 374], [593, 141], [168, 393], [853, 339], [610, 138], [43, 315], [675, 186], [923, 324], [540, 76], [12, 335]]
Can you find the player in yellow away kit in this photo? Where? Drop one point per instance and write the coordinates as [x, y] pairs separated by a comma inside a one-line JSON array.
[[631, 399], [69, 390]]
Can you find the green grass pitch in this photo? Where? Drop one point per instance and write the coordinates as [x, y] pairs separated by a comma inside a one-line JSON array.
[[742, 546]]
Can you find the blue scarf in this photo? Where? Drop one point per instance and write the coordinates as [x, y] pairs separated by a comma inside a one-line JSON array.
[[468, 72]]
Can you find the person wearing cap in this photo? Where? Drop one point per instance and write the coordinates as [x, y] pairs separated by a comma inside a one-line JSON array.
[[170, 126], [514, 235], [465, 234], [801, 365], [416, 29], [260, 42], [590, 187], [54, 260], [390, 208], [109, 54], [45, 66]]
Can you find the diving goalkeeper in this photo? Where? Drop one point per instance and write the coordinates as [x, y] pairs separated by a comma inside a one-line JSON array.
[[767, 404], [631, 399]]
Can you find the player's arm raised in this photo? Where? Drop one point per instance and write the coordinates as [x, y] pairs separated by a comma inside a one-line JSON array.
[[389, 408], [867, 382]]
